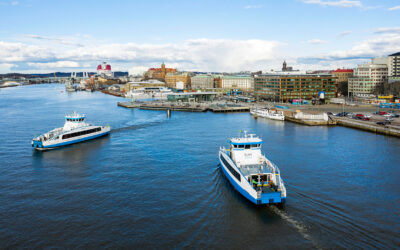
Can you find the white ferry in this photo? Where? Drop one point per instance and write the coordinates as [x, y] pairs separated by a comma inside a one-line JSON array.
[[269, 113], [250, 172], [75, 130]]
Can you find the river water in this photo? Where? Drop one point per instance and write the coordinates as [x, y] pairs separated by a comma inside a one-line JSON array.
[[155, 181]]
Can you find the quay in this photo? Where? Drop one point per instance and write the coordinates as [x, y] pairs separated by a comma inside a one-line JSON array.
[[187, 107], [369, 126]]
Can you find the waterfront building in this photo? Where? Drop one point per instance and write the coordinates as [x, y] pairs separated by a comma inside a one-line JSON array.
[[286, 87], [343, 74], [394, 67], [237, 82], [217, 81], [202, 82], [140, 84], [368, 77], [192, 96], [159, 73], [171, 80]]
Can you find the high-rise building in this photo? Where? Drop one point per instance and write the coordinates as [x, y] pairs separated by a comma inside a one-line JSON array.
[[394, 67], [368, 77], [286, 87]]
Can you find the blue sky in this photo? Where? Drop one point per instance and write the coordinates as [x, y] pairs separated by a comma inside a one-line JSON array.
[[46, 36]]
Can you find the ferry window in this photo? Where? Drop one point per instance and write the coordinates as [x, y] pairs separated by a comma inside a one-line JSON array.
[[241, 146], [247, 146]]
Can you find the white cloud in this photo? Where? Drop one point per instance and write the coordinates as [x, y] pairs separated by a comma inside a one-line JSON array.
[[340, 3], [253, 6], [316, 41], [344, 33], [52, 65], [139, 70], [387, 30], [380, 45], [14, 3], [195, 54], [6, 67], [64, 41], [394, 8], [19, 52]]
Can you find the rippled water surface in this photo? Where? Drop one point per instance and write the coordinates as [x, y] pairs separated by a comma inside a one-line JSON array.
[[155, 182]]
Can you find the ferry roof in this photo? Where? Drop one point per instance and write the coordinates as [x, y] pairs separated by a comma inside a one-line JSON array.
[[74, 115], [251, 140]]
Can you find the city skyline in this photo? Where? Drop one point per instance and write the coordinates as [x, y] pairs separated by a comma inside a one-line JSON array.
[[43, 36]]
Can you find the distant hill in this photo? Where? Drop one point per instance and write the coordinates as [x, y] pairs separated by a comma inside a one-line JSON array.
[[58, 74]]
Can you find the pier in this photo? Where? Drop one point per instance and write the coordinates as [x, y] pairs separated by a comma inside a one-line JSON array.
[[187, 107], [391, 130]]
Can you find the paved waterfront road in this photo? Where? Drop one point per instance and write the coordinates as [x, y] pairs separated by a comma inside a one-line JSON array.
[[155, 182]]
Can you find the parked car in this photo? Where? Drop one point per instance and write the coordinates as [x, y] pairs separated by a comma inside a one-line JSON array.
[[359, 115], [395, 115], [365, 118], [382, 113], [341, 114], [350, 115], [383, 123], [329, 113]]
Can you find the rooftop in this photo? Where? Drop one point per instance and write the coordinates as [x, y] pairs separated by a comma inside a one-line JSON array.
[[395, 54], [343, 71], [195, 93]]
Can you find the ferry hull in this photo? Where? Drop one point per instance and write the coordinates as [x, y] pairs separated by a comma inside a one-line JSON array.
[[39, 146], [266, 198]]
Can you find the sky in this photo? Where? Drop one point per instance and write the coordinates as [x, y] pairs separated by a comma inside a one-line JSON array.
[[199, 35]]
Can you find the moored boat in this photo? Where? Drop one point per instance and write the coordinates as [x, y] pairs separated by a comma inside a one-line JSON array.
[[250, 172], [269, 113], [75, 130]]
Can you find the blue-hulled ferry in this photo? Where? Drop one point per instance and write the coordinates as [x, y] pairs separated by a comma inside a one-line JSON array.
[[250, 172], [75, 130]]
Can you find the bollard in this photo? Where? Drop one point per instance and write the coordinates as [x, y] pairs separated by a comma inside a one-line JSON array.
[[168, 113]]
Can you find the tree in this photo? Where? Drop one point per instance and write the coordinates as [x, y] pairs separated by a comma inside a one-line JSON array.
[[343, 88]]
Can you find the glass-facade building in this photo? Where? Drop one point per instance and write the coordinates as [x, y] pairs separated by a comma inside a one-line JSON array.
[[285, 88]]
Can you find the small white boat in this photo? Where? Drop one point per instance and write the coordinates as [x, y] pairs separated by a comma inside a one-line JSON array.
[[250, 172], [269, 113], [75, 130]]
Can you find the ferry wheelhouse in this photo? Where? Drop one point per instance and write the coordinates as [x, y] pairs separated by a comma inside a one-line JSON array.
[[250, 172], [75, 130]]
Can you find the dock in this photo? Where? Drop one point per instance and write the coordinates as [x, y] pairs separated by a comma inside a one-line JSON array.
[[369, 126], [186, 107], [226, 109]]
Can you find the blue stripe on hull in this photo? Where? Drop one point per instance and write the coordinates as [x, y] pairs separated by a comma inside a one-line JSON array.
[[265, 197], [76, 141]]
